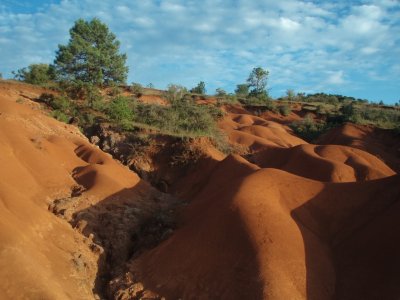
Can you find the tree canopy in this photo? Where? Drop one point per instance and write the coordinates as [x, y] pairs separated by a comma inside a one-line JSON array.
[[242, 90], [200, 88], [258, 81], [36, 74], [91, 55]]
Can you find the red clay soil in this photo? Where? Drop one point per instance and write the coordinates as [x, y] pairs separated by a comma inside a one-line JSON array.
[[153, 99], [278, 118], [330, 163], [42, 160], [255, 233], [304, 222], [383, 143], [257, 133]]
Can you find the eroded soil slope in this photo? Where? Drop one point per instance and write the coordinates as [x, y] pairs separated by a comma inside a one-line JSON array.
[[49, 168], [286, 220]]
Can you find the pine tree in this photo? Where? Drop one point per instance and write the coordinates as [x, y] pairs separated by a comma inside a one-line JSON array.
[[91, 56]]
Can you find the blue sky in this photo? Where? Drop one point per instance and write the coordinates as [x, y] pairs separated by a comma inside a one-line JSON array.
[[345, 47]]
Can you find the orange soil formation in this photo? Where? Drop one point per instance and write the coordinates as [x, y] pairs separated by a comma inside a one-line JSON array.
[[263, 233], [42, 160], [300, 222], [254, 233], [379, 142], [330, 163], [256, 133], [153, 99]]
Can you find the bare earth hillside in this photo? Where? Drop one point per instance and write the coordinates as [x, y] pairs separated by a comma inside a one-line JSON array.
[[286, 220]]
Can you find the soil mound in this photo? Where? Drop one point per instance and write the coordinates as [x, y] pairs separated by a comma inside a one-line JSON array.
[[267, 234], [382, 143], [257, 133], [331, 163], [297, 221], [46, 164]]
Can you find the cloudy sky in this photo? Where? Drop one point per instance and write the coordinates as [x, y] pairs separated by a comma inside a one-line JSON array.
[[344, 47]]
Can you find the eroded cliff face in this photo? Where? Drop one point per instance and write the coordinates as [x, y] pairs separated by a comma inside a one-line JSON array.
[[71, 215]]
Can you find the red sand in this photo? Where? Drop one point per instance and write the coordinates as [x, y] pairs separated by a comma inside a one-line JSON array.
[[41, 256], [380, 142], [256, 133], [303, 222], [266, 234]]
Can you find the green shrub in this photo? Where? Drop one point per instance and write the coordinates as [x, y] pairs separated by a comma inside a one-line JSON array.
[[61, 103], [200, 88], [182, 118], [88, 119], [308, 129], [366, 114], [60, 115], [220, 92], [284, 110], [115, 91], [242, 90], [175, 92], [136, 89], [36, 74], [121, 110], [93, 97]]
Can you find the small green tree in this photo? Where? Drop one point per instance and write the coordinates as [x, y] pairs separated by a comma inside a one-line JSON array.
[[258, 81], [242, 90], [91, 55], [121, 109], [199, 89], [290, 95], [36, 74], [220, 92], [175, 92]]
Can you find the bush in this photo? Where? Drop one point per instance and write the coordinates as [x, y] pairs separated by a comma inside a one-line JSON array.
[[199, 89], [115, 91], [220, 92], [61, 103], [242, 90], [36, 74], [284, 110], [183, 118], [175, 92], [290, 95], [308, 129], [93, 97], [262, 100], [228, 99], [121, 110], [137, 89], [60, 115], [381, 117]]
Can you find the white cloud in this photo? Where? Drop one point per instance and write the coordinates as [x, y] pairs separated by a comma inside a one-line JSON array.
[[336, 78], [288, 24], [169, 6], [302, 43]]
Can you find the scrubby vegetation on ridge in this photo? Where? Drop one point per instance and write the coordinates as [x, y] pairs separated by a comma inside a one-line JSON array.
[[89, 75]]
